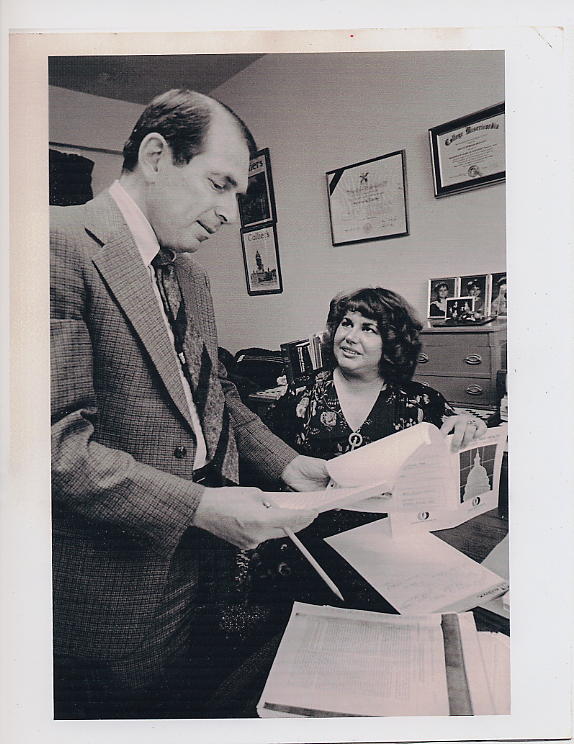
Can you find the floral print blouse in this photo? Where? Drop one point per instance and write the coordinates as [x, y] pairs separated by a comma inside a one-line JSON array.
[[313, 423]]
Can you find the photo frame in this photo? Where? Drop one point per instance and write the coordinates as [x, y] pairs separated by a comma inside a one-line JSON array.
[[257, 206], [439, 290], [477, 286], [460, 309], [261, 261], [368, 200], [469, 152], [498, 294]]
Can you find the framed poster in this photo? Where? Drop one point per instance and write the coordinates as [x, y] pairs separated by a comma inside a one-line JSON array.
[[367, 200], [261, 260], [469, 152], [439, 291], [257, 206]]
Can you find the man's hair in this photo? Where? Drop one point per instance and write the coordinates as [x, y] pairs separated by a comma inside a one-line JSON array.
[[182, 117], [397, 323]]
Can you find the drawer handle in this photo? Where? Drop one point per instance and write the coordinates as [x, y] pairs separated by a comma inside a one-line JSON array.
[[474, 390], [423, 358], [473, 359]]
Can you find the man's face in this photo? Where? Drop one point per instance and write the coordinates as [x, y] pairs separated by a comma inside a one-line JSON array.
[[186, 204]]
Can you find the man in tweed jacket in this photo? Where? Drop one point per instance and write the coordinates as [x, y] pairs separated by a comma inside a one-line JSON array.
[[129, 516]]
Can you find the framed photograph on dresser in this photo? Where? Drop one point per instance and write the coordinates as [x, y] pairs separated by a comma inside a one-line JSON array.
[[439, 290], [477, 286], [498, 296]]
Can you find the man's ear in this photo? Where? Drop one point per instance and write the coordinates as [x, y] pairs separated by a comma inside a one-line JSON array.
[[152, 149]]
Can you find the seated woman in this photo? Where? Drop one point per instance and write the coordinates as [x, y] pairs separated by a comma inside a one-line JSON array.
[[365, 393]]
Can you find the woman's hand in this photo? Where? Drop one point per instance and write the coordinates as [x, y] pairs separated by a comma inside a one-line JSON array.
[[466, 429]]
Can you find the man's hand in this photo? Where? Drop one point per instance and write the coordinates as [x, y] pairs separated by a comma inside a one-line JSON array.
[[306, 474], [240, 516], [466, 430]]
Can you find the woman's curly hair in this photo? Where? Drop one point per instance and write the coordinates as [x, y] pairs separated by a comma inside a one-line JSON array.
[[398, 326]]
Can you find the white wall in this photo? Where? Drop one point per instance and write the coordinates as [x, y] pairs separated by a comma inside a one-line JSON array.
[[318, 112]]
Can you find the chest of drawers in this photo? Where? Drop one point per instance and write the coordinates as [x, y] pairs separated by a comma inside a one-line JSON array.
[[461, 362]]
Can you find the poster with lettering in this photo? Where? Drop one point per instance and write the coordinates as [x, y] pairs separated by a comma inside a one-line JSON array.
[[367, 200], [261, 259], [257, 206]]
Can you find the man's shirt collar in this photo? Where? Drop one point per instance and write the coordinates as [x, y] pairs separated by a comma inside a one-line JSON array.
[[141, 230]]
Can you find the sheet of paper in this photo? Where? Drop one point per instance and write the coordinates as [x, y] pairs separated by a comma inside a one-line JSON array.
[[320, 501], [497, 561], [495, 649], [476, 675], [352, 662], [416, 572], [381, 460]]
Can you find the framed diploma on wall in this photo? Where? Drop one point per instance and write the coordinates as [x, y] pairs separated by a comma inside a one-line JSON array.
[[469, 152], [367, 200]]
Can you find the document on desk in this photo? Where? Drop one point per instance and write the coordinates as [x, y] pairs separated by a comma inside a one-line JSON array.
[[497, 561], [417, 572], [495, 649], [338, 662]]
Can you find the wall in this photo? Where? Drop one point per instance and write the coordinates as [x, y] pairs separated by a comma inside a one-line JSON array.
[[92, 122], [317, 112]]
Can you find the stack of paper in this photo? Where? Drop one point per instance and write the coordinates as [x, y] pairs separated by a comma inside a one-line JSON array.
[[336, 662]]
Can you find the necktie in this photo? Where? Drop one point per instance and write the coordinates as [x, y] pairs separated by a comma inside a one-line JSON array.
[[199, 371]]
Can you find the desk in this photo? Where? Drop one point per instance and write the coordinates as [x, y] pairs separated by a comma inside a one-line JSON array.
[[239, 695], [293, 578]]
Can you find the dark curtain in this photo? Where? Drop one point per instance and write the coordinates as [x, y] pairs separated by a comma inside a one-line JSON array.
[[70, 179]]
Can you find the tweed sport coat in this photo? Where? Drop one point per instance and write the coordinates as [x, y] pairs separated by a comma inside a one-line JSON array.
[[121, 490]]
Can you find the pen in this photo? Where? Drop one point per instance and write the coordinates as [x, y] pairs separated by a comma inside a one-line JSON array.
[[332, 586]]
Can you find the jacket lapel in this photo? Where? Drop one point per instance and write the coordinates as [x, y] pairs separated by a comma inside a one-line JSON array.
[[120, 265]]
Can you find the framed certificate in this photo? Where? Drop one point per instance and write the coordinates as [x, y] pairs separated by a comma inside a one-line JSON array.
[[367, 200], [469, 152]]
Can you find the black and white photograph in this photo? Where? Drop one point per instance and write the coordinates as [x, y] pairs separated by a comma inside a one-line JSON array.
[[477, 286], [439, 291], [498, 294], [476, 472], [135, 263], [460, 309], [194, 575]]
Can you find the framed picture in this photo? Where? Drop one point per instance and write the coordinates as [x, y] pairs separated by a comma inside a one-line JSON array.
[[257, 206], [469, 152], [477, 286], [439, 291], [460, 309], [261, 259], [498, 294], [367, 200]]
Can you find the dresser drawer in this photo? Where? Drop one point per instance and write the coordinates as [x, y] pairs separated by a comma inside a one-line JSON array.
[[457, 358], [467, 390]]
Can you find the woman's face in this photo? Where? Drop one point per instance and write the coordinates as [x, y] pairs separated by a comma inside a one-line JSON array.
[[442, 292], [358, 346]]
